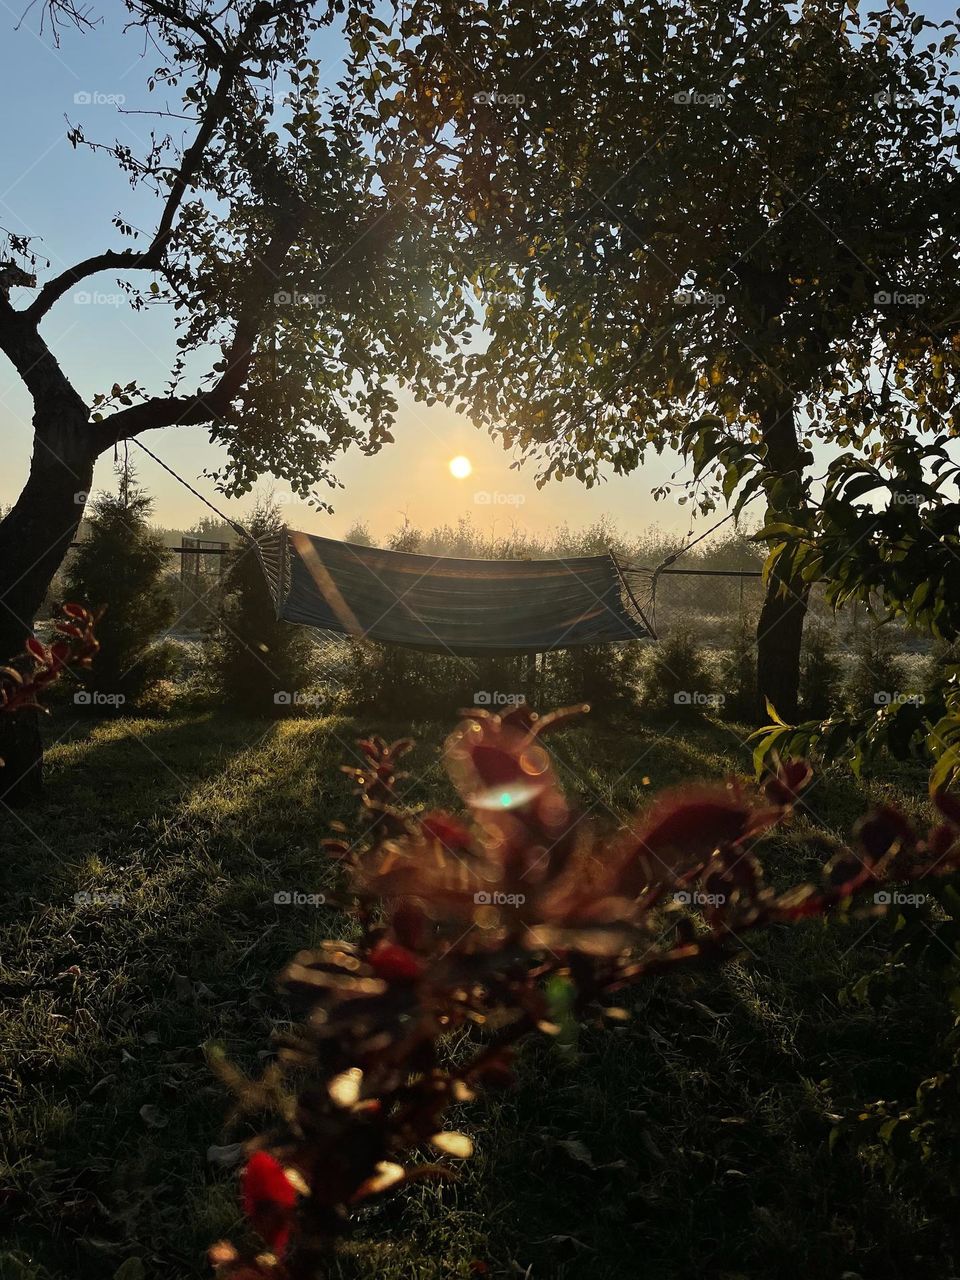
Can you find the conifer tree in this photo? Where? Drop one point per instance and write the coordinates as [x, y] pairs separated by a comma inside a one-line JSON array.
[[259, 664], [121, 567]]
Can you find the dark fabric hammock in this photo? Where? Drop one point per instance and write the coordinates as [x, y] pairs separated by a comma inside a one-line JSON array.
[[441, 604]]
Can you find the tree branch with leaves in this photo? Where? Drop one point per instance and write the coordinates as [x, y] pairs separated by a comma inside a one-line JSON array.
[[307, 291]]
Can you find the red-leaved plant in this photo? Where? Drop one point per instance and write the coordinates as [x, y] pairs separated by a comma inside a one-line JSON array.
[[474, 921], [39, 665]]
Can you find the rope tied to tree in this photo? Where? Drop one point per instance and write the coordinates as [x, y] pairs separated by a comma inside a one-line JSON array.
[[238, 528]]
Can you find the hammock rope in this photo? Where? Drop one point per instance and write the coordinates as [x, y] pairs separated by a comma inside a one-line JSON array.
[[238, 528], [664, 564], [269, 566]]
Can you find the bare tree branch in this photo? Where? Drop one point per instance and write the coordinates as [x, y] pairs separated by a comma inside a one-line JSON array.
[[205, 31], [60, 13], [214, 403], [150, 258], [231, 64]]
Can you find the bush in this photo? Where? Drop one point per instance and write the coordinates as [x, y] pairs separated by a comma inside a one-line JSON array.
[[821, 674], [737, 675], [388, 678], [876, 676], [605, 676], [256, 662], [121, 566], [159, 698], [677, 680]]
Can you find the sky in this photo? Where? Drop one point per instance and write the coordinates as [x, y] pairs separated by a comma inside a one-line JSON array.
[[67, 199]]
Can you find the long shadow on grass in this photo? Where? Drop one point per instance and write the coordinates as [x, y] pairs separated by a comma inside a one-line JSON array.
[[122, 995], [109, 782], [686, 1144]]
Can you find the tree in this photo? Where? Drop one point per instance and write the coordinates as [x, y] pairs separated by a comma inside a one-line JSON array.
[[123, 561], [258, 661], [726, 229], [306, 289], [887, 528]]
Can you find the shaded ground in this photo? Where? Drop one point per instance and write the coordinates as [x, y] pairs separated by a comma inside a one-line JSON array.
[[690, 1142]]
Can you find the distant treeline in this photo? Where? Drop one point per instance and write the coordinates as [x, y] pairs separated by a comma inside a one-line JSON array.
[[731, 550]]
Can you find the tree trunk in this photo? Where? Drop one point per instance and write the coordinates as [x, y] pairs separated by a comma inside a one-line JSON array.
[[34, 539], [780, 628], [779, 637]]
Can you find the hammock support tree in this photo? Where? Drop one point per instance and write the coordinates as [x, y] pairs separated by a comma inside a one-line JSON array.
[[443, 604]]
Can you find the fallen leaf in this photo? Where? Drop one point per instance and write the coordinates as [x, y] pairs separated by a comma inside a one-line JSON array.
[[227, 1156], [132, 1269], [183, 987], [711, 1013], [652, 1148], [152, 1116], [578, 1150], [561, 1239]]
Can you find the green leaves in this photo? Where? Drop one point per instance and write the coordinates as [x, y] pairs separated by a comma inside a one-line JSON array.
[[710, 288], [903, 547]]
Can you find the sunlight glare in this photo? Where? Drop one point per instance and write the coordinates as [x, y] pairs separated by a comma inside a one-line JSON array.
[[460, 467]]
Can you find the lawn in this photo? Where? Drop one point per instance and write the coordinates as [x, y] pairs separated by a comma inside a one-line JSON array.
[[691, 1141]]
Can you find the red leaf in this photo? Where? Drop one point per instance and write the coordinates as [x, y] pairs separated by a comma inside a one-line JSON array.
[[451, 833], [792, 777], [395, 963], [695, 821], [269, 1199], [495, 766], [408, 924], [879, 831]]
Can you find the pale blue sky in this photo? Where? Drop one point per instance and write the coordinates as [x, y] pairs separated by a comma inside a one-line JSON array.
[[67, 198]]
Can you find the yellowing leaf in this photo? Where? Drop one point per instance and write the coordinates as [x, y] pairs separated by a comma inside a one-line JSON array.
[[454, 1144], [344, 1089], [386, 1176], [297, 1181]]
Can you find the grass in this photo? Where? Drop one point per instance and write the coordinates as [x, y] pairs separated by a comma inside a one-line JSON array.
[[691, 1141]]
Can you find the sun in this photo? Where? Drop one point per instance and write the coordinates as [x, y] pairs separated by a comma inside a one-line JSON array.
[[460, 467]]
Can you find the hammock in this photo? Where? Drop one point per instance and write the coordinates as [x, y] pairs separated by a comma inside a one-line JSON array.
[[442, 604]]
